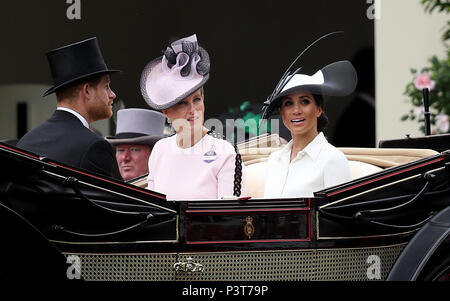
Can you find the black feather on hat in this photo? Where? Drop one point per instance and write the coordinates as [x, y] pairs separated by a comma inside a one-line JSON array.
[[336, 79]]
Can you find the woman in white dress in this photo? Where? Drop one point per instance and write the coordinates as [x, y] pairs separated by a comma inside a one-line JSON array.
[[308, 163]]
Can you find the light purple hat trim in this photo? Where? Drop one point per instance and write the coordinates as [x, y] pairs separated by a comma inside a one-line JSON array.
[[163, 86]]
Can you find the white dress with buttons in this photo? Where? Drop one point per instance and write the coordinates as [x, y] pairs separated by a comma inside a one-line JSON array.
[[319, 165]]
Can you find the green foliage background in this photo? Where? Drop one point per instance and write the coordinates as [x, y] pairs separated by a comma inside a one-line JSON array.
[[439, 70]]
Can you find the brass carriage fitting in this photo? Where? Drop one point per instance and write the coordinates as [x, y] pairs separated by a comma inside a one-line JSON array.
[[188, 267]]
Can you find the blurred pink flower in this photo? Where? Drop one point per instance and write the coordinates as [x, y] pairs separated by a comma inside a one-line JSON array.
[[423, 81], [442, 123]]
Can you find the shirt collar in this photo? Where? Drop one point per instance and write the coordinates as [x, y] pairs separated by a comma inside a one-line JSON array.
[[312, 149], [81, 118], [286, 150]]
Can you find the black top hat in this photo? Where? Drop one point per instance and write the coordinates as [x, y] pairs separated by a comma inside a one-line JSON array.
[[75, 61]]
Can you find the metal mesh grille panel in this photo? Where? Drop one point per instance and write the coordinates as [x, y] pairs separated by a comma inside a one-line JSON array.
[[148, 267], [351, 264], [326, 264], [252, 266]]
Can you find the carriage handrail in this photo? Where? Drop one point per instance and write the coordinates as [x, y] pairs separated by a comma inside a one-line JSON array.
[[59, 228], [362, 216], [427, 177]]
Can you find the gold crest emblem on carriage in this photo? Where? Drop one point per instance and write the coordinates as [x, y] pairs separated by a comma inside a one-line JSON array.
[[249, 229]]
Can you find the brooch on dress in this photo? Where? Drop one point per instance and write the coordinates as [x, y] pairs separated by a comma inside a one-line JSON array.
[[210, 156]]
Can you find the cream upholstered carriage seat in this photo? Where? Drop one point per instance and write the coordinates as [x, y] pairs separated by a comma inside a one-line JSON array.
[[362, 161]]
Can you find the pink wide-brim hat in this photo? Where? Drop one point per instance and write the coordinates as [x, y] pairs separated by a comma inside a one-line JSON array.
[[166, 81]]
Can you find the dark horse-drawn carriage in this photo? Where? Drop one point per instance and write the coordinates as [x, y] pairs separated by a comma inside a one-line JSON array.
[[390, 222]]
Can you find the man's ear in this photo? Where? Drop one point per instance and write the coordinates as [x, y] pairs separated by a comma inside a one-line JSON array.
[[86, 90]]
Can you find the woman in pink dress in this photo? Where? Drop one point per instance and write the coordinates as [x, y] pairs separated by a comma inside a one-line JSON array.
[[190, 164]]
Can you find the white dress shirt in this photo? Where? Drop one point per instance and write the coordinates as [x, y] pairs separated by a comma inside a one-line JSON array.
[[317, 166]]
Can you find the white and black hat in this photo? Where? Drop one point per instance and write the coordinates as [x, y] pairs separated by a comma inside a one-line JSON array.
[[138, 126], [336, 79]]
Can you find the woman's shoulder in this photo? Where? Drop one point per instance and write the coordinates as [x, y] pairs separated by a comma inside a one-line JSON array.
[[163, 143], [222, 144], [332, 153], [275, 155]]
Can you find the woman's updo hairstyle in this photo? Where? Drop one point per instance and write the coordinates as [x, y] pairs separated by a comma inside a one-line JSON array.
[[322, 120]]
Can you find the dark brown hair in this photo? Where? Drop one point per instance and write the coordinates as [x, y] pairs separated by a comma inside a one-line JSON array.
[[322, 120], [71, 89]]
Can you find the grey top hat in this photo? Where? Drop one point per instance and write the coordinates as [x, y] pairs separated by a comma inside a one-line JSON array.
[[138, 126]]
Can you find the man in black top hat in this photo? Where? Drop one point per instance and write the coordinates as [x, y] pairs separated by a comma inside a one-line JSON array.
[[83, 93]]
